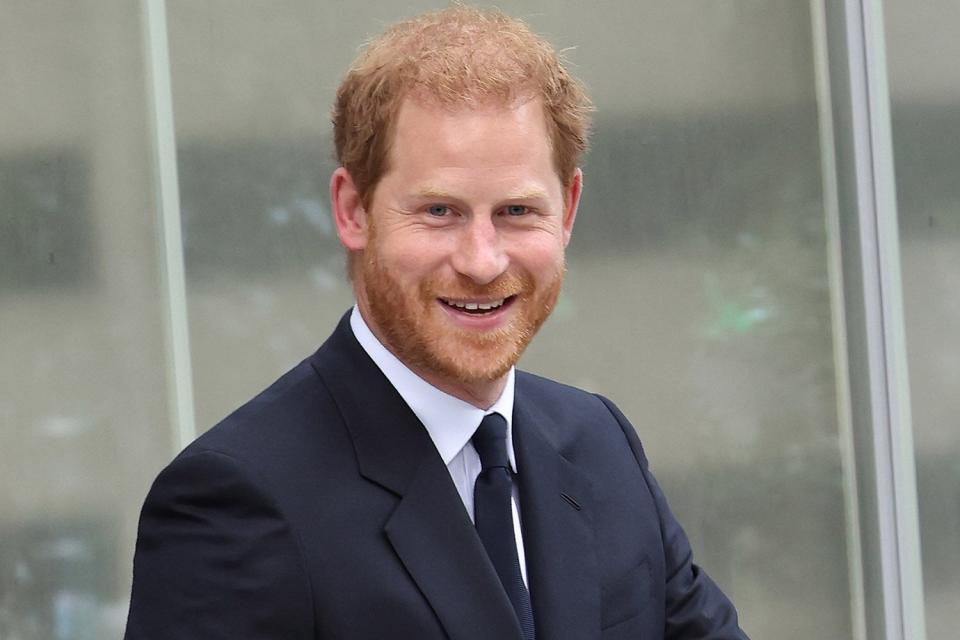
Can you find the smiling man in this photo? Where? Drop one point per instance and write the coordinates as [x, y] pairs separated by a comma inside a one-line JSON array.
[[405, 481]]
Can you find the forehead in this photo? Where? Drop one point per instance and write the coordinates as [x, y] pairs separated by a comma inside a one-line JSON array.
[[476, 136]]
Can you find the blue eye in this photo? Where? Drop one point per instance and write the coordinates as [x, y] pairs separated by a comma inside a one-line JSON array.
[[516, 210], [438, 210]]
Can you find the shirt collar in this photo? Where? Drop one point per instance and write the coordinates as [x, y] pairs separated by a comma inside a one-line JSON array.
[[450, 421]]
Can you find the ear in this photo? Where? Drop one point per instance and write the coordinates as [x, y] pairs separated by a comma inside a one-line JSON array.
[[348, 213], [571, 202]]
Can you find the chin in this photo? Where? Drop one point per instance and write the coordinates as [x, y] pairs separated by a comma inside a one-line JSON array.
[[469, 359], [485, 367]]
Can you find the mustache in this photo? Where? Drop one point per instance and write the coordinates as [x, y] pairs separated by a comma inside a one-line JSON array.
[[506, 285]]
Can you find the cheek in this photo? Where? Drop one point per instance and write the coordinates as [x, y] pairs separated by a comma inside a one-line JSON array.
[[412, 263], [542, 257], [423, 249]]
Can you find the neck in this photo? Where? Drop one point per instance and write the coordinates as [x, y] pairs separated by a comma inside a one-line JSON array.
[[482, 395]]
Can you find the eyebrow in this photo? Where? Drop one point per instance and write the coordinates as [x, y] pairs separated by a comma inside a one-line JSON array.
[[531, 194], [440, 194], [430, 192]]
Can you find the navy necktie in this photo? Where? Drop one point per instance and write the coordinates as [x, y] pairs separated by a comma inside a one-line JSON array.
[[493, 514]]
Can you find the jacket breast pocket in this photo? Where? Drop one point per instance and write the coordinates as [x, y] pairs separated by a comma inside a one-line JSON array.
[[625, 597]]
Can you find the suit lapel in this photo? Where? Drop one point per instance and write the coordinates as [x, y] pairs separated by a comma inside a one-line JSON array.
[[429, 529], [555, 502], [446, 558]]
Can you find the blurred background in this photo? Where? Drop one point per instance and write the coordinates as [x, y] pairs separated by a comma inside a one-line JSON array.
[[703, 294]]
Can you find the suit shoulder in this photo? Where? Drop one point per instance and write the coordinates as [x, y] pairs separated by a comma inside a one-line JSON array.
[[576, 415], [564, 406], [534, 384], [561, 399]]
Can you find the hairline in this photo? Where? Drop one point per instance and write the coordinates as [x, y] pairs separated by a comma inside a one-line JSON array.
[[425, 97]]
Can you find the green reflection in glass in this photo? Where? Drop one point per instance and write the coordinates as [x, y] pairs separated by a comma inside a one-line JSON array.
[[727, 315]]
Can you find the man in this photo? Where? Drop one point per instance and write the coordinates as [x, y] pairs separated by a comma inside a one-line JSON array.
[[405, 481]]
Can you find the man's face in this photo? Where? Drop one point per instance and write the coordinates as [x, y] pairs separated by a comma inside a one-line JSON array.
[[464, 254]]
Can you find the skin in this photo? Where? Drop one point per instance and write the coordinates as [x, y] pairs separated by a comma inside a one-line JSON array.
[[470, 211]]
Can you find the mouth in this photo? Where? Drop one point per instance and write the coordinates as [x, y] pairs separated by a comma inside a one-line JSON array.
[[478, 307]]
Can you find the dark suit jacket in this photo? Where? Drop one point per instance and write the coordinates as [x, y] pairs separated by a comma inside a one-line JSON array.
[[321, 509]]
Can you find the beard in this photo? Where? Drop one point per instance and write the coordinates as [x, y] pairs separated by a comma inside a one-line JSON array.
[[416, 328]]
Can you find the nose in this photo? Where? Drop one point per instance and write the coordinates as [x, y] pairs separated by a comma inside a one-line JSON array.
[[480, 255]]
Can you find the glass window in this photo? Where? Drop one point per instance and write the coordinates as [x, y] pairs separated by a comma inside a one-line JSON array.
[[83, 403], [925, 97]]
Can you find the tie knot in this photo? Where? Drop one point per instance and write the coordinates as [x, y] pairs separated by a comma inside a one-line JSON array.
[[490, 441]]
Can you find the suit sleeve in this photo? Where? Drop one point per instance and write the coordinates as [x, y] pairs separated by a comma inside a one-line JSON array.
[[215, 559], [696, 608]]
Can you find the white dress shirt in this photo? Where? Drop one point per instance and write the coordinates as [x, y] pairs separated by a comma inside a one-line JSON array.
[[450, 421]]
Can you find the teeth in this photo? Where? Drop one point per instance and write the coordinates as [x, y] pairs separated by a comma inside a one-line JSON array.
[[476, 306]]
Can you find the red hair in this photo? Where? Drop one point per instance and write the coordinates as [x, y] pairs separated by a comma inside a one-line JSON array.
[[458, 57]]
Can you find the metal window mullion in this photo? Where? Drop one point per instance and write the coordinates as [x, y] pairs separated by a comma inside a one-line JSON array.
[[847, 441], [902, 458], [892, 447], [179, 370]]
